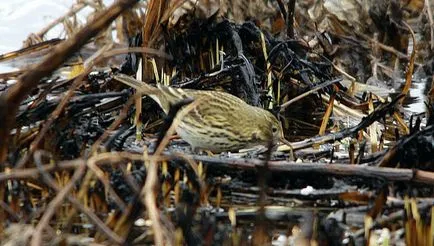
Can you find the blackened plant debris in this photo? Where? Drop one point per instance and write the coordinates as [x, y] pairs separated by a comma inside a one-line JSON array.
[[237, 77], [131, 63], [116, 141], [133, 196], [413, 151], [85, 120]]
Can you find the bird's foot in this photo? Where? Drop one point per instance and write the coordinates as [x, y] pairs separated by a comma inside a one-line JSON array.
[[198, 151]]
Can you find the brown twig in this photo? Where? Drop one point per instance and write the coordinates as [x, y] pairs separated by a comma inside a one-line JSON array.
[[389, 174], [328, 112], [290, 19], [34, 173], [143, 50], [385, 47], [149, 192], [431, 22], [74, 10], [410, 69], [9, 210], [303, 95]]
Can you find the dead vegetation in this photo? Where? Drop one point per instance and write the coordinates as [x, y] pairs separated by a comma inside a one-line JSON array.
[[85, 160]]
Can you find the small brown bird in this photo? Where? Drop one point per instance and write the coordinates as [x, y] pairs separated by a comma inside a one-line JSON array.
[[222, 122]]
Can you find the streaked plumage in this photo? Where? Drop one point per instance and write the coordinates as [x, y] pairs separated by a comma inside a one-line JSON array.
[[222, 122]]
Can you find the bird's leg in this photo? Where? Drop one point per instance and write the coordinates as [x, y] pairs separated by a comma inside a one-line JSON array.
[[292, 152], [208, 152], [198, 151]]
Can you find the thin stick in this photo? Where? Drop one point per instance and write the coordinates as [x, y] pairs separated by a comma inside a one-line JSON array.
[[103, 159], [384, 47], [74, 10], [410, 69], [54, 204], [303, 95], [389, 174], [431, 22], [143, 50]]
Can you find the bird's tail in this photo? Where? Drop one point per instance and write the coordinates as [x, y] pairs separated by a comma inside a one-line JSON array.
[[140, 86]]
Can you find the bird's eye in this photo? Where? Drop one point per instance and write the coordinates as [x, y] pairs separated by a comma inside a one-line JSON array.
[[274, 129]]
